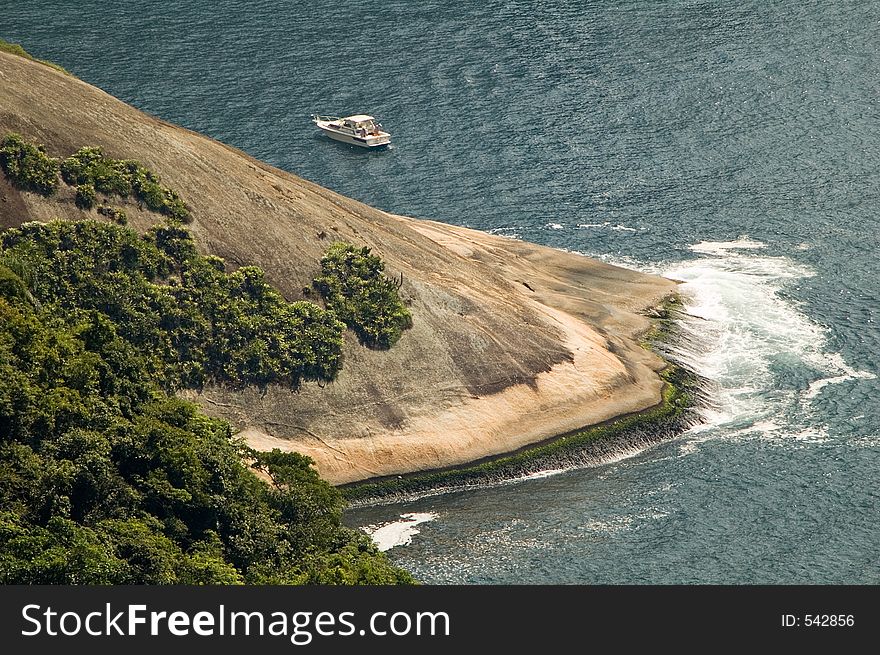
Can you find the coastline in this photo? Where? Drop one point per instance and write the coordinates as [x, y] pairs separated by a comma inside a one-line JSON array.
[[590, 446], [609, 374], [512, 343]]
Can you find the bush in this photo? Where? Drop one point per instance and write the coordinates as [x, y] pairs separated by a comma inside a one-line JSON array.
[[89, 165], [87, 169], [28, 166], [354, 287], [11, 285], [122, 177], [158, 198], [85, 196], [76, 169], [116, 214]]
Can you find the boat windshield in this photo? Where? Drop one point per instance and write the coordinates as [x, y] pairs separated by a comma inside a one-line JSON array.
[[362, 127]]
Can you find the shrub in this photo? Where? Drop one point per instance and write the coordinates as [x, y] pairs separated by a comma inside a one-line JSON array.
[[85, 196], [89, 165], [122, 177], [111, 178], [115, 213], [76, 169], [90, 171], [148, 190], [11, 285], [28, 166], [354, 287], [175, 207]]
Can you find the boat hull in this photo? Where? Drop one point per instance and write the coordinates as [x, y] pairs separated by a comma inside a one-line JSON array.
[[363, 142]]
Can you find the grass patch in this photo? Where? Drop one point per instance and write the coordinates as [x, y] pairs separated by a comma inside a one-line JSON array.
[[16, 49]]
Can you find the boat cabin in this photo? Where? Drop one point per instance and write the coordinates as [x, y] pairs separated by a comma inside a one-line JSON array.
[[361, 124]]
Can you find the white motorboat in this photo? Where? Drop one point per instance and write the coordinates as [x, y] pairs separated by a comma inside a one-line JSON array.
[[358, 130]]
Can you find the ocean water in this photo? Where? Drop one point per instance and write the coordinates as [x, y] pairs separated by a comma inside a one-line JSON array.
[[730, 145]]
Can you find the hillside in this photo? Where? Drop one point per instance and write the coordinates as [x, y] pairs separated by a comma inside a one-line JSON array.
[[511, 342]]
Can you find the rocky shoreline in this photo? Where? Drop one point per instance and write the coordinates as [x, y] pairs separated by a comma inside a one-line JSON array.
[[593, 446]]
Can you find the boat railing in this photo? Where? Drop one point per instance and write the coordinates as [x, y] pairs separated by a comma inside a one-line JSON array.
[[324, 119]]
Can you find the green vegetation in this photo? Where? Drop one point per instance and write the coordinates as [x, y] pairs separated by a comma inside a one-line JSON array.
[[115, 213], [190, 321], [664, 323], [105, 478], [15, 49], [85, 196], [354, 287], [89, 166], [11, 285], [28, 166], [122, 177], [670, 416]]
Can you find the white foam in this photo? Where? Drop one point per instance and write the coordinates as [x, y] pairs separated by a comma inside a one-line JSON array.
[[509, 232], [621, 261], [870, 441], [739, 332], [554, 226], [538, 475], [624, 453], [722, 247], [398, 533], [619, 455], [818, 385], [608, 225], [818, 434], [841, 372], [696, 438], [767, 427]]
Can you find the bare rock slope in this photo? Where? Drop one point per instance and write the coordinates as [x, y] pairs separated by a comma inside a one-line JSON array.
[[512, 342]]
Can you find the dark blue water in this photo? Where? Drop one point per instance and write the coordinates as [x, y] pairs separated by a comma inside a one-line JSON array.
[[731, 145]]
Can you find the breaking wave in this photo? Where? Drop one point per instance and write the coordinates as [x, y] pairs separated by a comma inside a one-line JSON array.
[[764, 358]]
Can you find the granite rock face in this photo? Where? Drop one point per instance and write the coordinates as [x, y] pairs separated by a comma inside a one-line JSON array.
[[511, 342]]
